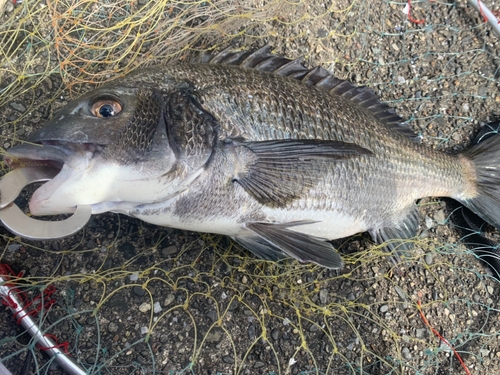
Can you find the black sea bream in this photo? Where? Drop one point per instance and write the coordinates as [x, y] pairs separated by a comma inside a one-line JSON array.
[[256, 147]]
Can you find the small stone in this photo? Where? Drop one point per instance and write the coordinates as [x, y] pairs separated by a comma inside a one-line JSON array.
[[251, 332], [170, 298], [212, 315], [406, 353], [113, 327], [13, 247], [323, 296], [439, 216], [484, 352], [116, 338], [18, 107], [322, 33], [476, 297], [170, 250], [21, 132], [259, 364], [228, 359], [314, 328], [401, 79], [482, 91], [164, 338], [275, 334], [428, 259], [145, 307], [156, 307], [421, 333], [351, 297], [429, 223], [215, 335], [9, 7], [384, 308], [139, 291]]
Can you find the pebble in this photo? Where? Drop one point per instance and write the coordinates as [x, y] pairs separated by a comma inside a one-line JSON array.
[[259, 364], [13, 247], [212, 315], [215, 335], [275, 334], [482, 91], [314, 328], [145, 307], [18, 107], [484, 352], [384, 308], [20, 132], [164, 338], [139, 291], [170, 298], [9, 7], [156, 307], [323, 296], [251, 332], [322, 33], [439, 216], [428, 259], [49, 83], [429, 222], [113, 327], [406, 353], [170, 250], [228, 359], [421, 333]]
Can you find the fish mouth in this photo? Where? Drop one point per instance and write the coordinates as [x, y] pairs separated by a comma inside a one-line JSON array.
[[65, 157]]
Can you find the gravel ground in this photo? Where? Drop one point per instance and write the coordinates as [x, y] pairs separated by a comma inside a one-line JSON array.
[[136, 298]]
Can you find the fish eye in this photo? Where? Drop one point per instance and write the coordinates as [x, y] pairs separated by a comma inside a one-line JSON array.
[[106, 108]]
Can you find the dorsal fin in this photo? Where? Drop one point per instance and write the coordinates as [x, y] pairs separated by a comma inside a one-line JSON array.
[[263, 59]]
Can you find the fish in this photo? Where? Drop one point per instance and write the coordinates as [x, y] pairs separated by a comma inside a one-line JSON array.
[[251, 145]]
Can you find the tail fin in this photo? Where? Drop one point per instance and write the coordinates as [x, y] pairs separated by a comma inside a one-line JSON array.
[[486, 159]]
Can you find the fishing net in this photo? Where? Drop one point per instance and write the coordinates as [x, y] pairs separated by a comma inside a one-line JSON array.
[[125, 297]]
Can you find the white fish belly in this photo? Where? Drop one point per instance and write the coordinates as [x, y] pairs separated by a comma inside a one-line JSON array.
[[325, 224]]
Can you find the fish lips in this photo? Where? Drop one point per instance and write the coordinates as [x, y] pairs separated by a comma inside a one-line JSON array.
[[51, 154], [65, 156]]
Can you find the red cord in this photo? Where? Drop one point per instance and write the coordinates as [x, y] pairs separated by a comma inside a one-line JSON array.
[[409, 16], [441, 337]]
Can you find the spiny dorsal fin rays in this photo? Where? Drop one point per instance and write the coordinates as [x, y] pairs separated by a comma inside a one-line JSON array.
[[263, 59]]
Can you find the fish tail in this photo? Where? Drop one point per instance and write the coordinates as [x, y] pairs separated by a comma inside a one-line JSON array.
[[481, 193]]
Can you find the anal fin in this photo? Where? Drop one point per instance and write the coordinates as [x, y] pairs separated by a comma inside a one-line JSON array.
[[396, 238], [271, 240]]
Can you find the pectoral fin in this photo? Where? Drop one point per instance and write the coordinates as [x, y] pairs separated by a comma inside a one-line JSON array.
[[278, 172], [271, 241]]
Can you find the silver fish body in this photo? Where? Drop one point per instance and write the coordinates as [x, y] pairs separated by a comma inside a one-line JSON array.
[[258, 148]]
